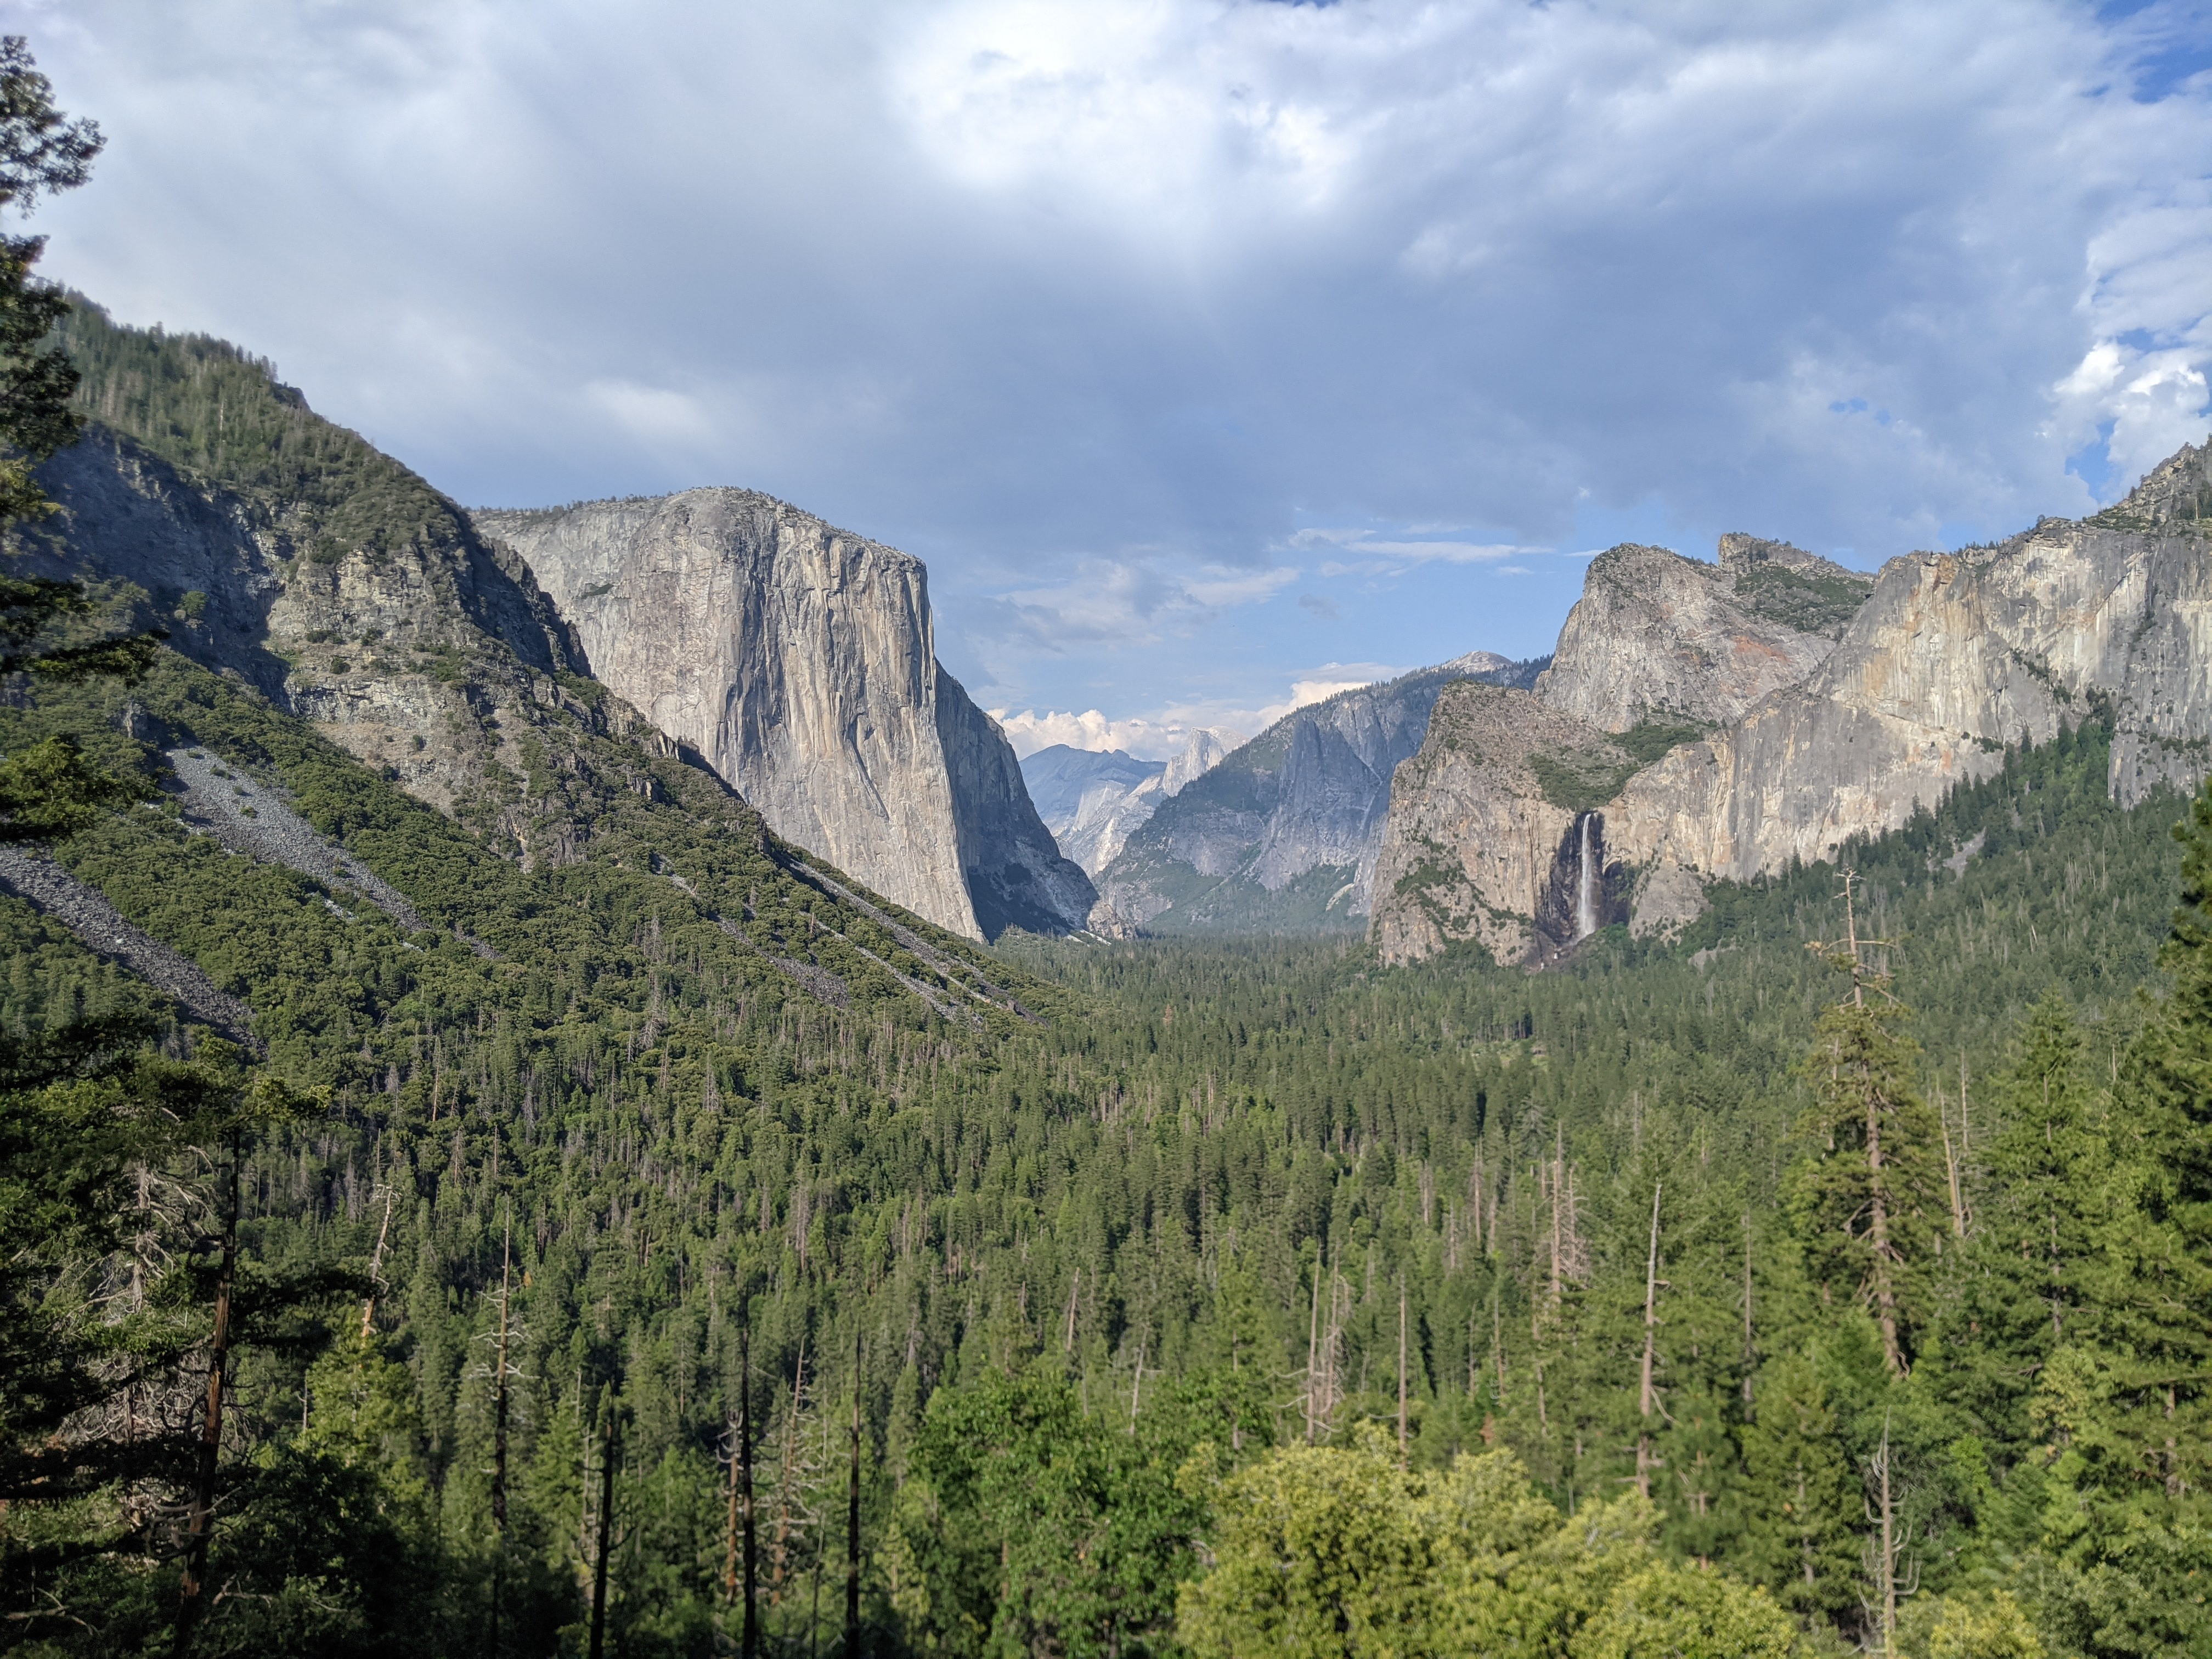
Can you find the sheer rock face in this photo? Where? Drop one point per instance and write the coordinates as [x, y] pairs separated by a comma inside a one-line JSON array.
[[1949, 660], [1308, 794], [1014, 873], [1208, 747], [1656, 637], [1477, 845], [799, 662], [1955, 657]]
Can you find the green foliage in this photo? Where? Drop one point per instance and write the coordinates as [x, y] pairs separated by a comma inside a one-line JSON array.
[[205, 406], [1196, 1180], [1994, 1626], [1666, 1613], [1822, 604], [1800, 1539], [1869, 1205], [48, 791], [1319, 1552], [1027, 1524], [1648, 739], [1582, 780], [1324, 1550]]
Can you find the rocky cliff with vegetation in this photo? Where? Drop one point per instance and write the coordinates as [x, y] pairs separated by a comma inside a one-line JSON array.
[[1954, 658], [1775, 706], [1492, 834], [1659, 638], [1131, 1270], [290, 554]]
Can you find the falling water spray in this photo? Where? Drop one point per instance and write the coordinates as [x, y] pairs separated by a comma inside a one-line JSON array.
[[1586, 886]]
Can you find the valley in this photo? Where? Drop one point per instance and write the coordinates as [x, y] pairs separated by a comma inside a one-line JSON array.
[[680, 1024]]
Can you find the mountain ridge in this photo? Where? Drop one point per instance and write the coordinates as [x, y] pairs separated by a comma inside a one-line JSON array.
[[286, 552], [1795, 743], [1283, 834], [1099, 804]]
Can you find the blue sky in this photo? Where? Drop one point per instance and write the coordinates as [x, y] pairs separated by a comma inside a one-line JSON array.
[[1213, 354]]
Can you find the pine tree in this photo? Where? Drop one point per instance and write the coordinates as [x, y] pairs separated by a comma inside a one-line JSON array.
[[1800, 1501], [1867, 1204], [2151, 1430], [2026, 1278]]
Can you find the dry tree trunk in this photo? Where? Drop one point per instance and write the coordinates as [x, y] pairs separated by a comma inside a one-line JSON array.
[[1647, 1399], [200, 1524]]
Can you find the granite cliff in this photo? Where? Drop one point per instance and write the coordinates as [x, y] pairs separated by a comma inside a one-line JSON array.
[[1491, 833], [1282, 835], [1953, 657], [1657, 638], [1762, 716], [798, 661]]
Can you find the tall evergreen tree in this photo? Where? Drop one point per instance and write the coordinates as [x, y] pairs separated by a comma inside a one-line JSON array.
[[1868, 1203], [2026, 1281], [1799, 1503], [2161, 1248]]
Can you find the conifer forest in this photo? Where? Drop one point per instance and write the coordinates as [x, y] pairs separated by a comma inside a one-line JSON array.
[[670, 1251]]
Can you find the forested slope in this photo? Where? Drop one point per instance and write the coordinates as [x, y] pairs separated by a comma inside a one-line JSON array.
[[1126, 1207]]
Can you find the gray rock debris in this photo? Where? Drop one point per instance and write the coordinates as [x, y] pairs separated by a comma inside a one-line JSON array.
[[254, 818], [100, 927]]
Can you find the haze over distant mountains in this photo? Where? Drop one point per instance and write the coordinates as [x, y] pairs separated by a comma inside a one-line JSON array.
[[1092, 800]]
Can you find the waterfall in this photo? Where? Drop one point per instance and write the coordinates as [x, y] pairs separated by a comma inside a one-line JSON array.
[[1586, 887]]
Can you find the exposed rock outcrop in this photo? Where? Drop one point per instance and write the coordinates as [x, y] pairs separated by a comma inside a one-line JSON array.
[[1662, 640], [1952, 658], [101, 928], [407, 653], [1490, 837], [1208, 747], [1014, 873], [1283, 835], [799, 662]]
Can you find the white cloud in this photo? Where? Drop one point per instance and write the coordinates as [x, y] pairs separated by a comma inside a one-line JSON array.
[[1129, 601], [1327, 683], [1159, 735], [1379, 553], [1029, 731], [1032, 288]]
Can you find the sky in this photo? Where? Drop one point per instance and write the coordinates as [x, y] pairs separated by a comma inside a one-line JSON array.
[[1215, 355]]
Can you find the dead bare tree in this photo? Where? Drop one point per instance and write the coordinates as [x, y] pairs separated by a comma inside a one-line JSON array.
[[1885, 1548], [200, 1516], [1647, 1397]]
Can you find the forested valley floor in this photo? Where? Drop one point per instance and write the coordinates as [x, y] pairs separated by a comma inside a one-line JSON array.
[[1174, 1295]]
